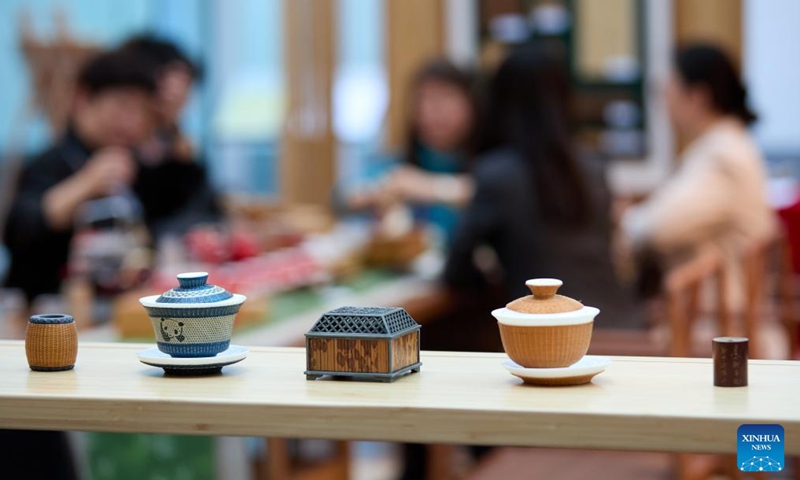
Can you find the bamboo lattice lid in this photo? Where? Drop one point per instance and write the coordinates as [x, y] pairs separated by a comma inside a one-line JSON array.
[[544, 298]]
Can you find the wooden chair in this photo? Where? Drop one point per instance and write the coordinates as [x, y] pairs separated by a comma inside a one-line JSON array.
[[754, 268], [683, 287], [767, 268], [279, 464]]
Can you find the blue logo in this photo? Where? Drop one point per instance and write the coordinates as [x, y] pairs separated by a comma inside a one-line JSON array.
[[760, 448]]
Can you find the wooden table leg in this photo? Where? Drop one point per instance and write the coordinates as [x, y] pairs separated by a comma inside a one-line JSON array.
[[277, 467], [440, 462]]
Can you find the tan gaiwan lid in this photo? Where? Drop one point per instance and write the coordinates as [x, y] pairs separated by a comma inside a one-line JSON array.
[[544, 298]]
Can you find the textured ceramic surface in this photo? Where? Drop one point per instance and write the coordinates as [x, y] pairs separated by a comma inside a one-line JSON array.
[[579, 373], [194, 319], [193, 288]]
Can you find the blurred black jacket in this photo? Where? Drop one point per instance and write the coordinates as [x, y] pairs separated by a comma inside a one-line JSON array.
[[505, 215], [39, 254]]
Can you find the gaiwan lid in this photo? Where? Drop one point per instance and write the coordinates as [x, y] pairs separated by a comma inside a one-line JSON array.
[[193, 291], [192, 288], [544, 298]]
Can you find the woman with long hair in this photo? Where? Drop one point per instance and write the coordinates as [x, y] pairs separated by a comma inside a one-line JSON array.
[[541, 205]]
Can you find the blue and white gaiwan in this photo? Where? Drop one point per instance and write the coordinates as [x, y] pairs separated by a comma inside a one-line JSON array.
[[194, 319]]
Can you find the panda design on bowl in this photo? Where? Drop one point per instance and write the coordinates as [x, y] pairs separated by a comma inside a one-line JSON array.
[[171, 328], [194, 319]]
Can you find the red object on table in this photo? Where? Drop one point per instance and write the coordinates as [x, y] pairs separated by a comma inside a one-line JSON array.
[[790, 217], [270, 272]]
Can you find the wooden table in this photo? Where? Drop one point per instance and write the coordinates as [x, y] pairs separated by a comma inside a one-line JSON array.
[[637, 404]]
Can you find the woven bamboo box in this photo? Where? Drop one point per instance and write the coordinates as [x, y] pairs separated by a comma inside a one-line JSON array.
[[366, 343]]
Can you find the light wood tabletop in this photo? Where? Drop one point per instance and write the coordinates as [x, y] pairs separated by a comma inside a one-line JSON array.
[[636, 404]]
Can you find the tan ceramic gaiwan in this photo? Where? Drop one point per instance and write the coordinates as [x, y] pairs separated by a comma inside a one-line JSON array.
[[545, 330]]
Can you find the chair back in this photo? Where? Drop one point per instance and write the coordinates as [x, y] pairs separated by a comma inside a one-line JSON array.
[[683, 286], [769, 277]]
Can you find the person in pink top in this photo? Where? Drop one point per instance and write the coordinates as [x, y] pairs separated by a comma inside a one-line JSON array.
[[717, 196]]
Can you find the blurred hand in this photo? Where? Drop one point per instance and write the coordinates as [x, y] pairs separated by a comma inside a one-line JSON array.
[[107, 171], [619, 206], [408, 184]]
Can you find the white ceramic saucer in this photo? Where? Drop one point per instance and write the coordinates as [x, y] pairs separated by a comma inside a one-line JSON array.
[[576, 374], [192, 366]]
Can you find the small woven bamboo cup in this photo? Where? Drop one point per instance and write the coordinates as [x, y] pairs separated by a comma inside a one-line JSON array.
[[51, 343], [545, 330]]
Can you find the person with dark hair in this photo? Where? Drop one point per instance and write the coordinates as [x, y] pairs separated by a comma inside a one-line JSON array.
[[172, 184], [111, 114], [541, 209], [431, 172], [717, 197], [540, 206], [175, 73]]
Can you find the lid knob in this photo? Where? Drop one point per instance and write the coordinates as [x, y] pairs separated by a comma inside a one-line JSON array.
[[544, 288], [192, 279]]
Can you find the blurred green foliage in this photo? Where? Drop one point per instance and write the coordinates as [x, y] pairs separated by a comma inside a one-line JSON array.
[[118, 456]]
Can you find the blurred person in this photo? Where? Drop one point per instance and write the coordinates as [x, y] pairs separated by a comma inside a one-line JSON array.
[[172, 183], [21, 454], [539, 209], [717, 197], [111, 114], [431, 172], [541, 206]]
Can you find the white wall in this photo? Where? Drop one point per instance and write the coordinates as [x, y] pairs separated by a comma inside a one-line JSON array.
[[461, 31], [772, 71]]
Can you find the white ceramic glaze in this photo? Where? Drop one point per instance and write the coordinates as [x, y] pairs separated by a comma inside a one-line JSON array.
[[154, 356], [150, 301], [544, 282], [588, 365], [520, 319]]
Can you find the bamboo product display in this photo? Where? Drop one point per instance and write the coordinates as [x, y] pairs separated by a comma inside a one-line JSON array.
[[51, 343], [367, 343], [730, 361]]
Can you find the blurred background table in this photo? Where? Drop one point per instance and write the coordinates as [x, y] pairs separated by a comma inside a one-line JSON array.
[[290, 314]]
